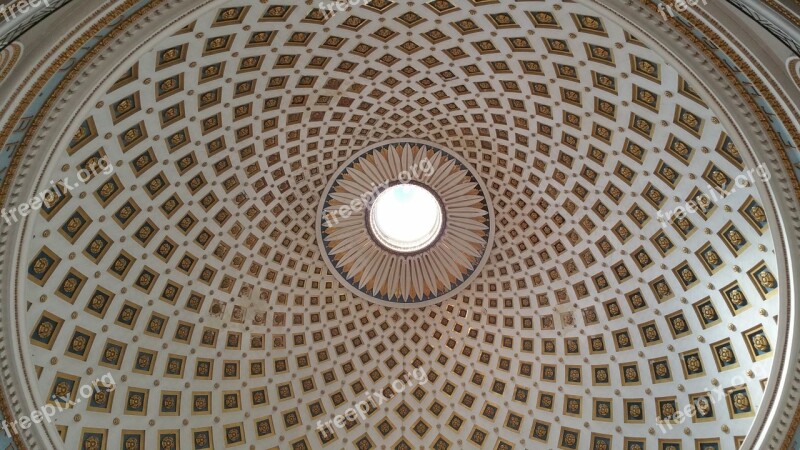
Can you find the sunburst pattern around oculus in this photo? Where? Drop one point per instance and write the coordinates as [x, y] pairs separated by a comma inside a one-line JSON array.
[[375, 271]]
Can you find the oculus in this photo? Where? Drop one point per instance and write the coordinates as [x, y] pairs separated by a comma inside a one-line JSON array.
[[406, 218], [404, 223]]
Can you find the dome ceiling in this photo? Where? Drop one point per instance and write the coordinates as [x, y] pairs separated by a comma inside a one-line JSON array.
[[194, 273]]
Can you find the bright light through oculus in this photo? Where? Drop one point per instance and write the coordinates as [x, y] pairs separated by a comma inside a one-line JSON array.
[[406, 218]]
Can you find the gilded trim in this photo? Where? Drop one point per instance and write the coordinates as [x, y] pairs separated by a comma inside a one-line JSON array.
[[8, 59], [763, 88], [745, 66], [785, 12], [69, 52], [794, 71], [785, 119], [32, 93]]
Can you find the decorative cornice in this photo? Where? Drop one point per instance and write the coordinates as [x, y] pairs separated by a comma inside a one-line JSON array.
[[8, 59], [699, 34], [9, 31], [764, 119], [746, 66], [794, 71], [773, 28], [785, 12], [32, 93]]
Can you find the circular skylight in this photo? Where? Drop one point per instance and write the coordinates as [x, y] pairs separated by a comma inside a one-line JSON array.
[[406, 218]]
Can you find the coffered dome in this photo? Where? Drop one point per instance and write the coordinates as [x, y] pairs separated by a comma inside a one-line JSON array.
[[603, 241]]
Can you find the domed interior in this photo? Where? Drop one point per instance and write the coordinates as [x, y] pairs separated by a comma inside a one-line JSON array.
[[194, 273]]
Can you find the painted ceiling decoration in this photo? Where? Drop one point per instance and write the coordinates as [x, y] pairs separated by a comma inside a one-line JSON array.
[[431, 274], [227, 277]]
